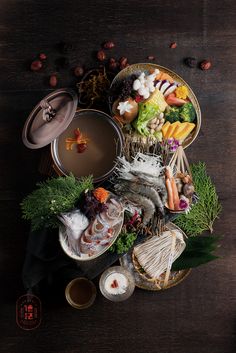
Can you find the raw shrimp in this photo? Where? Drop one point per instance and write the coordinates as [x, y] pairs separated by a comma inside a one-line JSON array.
[[148, 179], [143, 202], [146, 191]]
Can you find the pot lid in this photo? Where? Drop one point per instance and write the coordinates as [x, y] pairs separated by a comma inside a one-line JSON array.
[[50, 117]]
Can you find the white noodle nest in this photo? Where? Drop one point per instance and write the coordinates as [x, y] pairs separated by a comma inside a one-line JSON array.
[[157, 254]]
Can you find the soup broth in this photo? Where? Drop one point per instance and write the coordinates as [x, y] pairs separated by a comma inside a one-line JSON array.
[[81, 292], [102, 149]]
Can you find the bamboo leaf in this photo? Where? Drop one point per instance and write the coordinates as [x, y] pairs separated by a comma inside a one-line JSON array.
[[192, 259]]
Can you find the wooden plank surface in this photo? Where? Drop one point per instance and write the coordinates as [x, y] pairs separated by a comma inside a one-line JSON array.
[[199, 315]]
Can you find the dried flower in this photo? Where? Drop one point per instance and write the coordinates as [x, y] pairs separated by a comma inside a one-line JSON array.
[[42, 56], [53, 80], [205, 65], [173, 144], [173, 45], [168, 146], [36, 65], [101, 56], [78, 71], [108, 45]]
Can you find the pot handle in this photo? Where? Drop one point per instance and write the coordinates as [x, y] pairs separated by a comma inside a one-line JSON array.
[[48, 111]]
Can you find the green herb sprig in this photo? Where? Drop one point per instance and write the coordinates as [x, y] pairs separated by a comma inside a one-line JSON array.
[[124, 242], [202, 215], [53, 197]]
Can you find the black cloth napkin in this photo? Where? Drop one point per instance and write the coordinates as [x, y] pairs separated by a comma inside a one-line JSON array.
[[45, 261]]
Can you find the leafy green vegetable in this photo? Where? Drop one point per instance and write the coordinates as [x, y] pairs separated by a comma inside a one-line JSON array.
[[172, 114], [203, 214], [124, 242], [52, 197], [187, 113], [147, 111], [198, 251]]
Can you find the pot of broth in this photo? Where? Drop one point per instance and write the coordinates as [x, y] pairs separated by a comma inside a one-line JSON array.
[[94, 139], [103, 145]]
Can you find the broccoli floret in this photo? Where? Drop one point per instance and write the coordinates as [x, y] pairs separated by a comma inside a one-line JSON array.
[[172, 114], [187, 113]]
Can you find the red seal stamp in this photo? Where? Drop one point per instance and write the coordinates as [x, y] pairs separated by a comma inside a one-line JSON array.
[[28, 312]]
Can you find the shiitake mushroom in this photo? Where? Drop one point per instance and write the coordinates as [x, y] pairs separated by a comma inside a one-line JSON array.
[[188, 190]]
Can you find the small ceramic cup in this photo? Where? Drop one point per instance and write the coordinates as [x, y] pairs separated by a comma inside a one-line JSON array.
[[116, 273], [80, 293]]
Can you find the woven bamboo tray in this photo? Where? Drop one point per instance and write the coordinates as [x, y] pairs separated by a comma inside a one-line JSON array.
[[146, 67], [143, 281]]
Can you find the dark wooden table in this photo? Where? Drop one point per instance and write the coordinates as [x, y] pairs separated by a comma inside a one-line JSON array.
[[199, 315]]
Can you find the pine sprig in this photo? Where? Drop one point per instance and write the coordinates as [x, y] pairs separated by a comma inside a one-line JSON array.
[[203, 214], [53, 197]]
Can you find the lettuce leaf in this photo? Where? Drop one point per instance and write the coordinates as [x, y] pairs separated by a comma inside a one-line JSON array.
[[147, 111]]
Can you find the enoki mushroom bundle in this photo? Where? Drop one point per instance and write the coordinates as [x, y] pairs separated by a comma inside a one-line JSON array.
[[158, 253]]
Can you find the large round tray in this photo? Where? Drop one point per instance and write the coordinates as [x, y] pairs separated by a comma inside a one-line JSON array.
[[135, 68]]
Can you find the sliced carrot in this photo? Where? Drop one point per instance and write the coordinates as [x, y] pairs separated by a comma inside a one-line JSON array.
[[170, 194], [175, 194]]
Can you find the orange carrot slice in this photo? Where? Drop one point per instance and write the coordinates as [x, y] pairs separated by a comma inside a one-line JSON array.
[[175, 194], [170, 194]]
